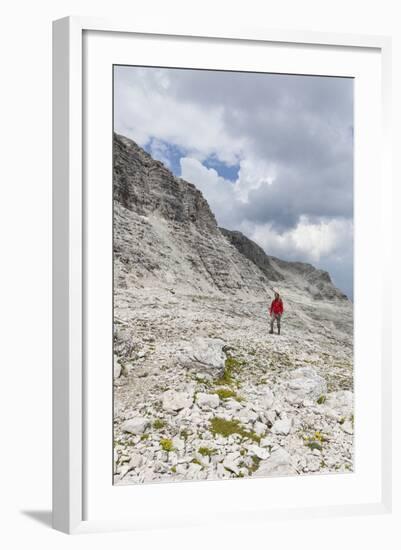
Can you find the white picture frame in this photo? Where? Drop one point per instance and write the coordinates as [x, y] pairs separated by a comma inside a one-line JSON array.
[[70, 256]]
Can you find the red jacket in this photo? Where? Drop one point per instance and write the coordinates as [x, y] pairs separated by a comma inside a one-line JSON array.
[[277, 306]]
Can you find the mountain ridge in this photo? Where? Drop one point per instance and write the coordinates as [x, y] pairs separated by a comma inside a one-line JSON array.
[[146, 187]]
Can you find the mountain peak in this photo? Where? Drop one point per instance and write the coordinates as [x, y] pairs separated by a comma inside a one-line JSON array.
[[144, 185]]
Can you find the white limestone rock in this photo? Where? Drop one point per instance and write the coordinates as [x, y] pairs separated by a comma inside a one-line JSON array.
[[174, 401], [178, 443], [135, 461], [267, 442], [245, 415], [230, 462], [259, 428], [277, 464], [117, 368], [340, 403], [267, 399], [136, 425], [260, 452], [347, 427], [305, 383], [208, 352], [232, 404], [282, 427], [207, 400]]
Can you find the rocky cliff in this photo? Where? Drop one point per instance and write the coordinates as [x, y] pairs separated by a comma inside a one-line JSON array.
[[202, 390], [300, 274]]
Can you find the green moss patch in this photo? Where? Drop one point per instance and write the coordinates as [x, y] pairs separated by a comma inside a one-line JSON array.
[[159, 424], [185, 433], [231, 368], [206, 451], [314, 445], [221, 426], [166, 444], [315, 441], [226, 393], [255, 464]]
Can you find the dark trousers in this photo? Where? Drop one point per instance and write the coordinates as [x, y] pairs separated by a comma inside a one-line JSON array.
[[275, 317]]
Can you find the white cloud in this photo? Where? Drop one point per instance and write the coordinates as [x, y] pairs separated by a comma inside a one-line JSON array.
[[219, 192], [312, 241], [145, 111], [253, 173]]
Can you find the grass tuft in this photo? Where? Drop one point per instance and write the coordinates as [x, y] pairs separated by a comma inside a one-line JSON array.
[[206, 451], [314, 445], [185, 433], [256, 461], [166, 444], [315, 441], [226, 393], [159, 424], [221, 426], [231, 367]]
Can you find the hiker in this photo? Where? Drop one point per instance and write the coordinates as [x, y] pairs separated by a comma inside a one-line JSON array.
[[276, 311]]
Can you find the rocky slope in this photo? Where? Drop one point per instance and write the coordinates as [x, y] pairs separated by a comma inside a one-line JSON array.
[[314, 281], [202, 391]]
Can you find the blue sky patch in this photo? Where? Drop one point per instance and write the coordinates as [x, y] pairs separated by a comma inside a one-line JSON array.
[[224, 170], [168, 153]]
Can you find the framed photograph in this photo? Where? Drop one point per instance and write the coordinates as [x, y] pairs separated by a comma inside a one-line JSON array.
[[220, 211]]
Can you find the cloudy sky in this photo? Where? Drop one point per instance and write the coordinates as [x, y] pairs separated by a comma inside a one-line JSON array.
[[272, 154]]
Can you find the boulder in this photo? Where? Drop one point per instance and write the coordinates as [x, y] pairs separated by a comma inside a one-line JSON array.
[[136, 461], [278, 463], [246, 415], [207, 400], [267, 400], [173, 401], [260, 452], [305, 383], [267, 442], [181, 469], [347, 427], [178, 443], [340, 402], [282, 427], [193, 471], [259, 428], [233, 405], [207, 352], [117, 368], [231, 462], [136, 425], [313, 463], [124, 344]]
